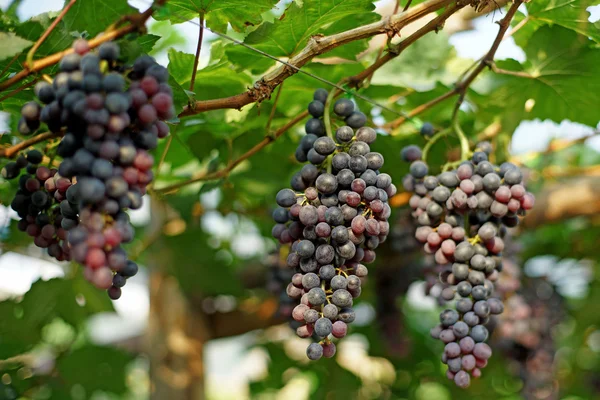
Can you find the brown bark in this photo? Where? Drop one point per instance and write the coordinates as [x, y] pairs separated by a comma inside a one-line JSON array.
[[563, 200], [175, 339]]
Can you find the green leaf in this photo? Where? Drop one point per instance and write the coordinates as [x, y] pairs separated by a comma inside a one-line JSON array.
[[195, 269], [421, 64], [570, 14], [214, 81], [95, 368], [290, 33], [134, 46], [564, 82], [180, 66], [239, 13], [12, 44], [94, 16], [21, 323]]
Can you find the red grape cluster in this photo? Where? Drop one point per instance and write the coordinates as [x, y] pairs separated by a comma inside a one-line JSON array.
[[334, 216], [111, 115], [462, 217], [40, 199]]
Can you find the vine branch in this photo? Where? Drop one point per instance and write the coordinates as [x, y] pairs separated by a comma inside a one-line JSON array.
[[10, 152], [395, 50], [47, 32], [316, 46], [222, 173], [460, 88]]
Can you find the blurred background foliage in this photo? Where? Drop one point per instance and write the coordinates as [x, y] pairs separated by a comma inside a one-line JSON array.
[[204, 318]]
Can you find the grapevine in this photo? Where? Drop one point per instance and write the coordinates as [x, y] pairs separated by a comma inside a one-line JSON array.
[[335, 215]]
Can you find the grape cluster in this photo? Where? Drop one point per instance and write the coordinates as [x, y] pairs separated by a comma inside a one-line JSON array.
[[334, 216], [39, 201], [462, 216], [111, 115]]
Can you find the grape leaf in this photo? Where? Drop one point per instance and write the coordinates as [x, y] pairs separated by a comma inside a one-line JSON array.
[[239, 13], [195, 270], [420, 65], [21, 323], [94, 16], [214, 81], [570, 14], [104, 369], [12, 45], [564, 82], [132, 49], [290, 33]]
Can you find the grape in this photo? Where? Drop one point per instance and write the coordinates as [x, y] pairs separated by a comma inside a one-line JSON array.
[[479, 333], [482, 351], [339, 329], [314, 351], [286, 198], [341, 298], [323, 327], [462, 379], [418, 169], [324, 145], [316, 296], [411, 153], [113, 82], [427, 129], [327, 272], [109, 51], [343, 107], [315, 126], [356, 120], [316, 108]]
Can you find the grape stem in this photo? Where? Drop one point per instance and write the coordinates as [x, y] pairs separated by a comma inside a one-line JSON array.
[[326, 115], [433, 140], [464, 142]]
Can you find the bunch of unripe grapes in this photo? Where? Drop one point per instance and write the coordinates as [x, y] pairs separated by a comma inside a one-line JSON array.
[[334, 217], [41, 196], [462, 216], [111, 114]]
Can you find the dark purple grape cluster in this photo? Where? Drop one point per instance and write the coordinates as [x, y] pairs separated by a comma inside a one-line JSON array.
[[462, 216], [39, 201], [111, 115], [334, 217]]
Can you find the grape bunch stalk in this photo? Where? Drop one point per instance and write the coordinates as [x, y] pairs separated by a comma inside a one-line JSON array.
[[462, 216], [335, 215], [110, 115]]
